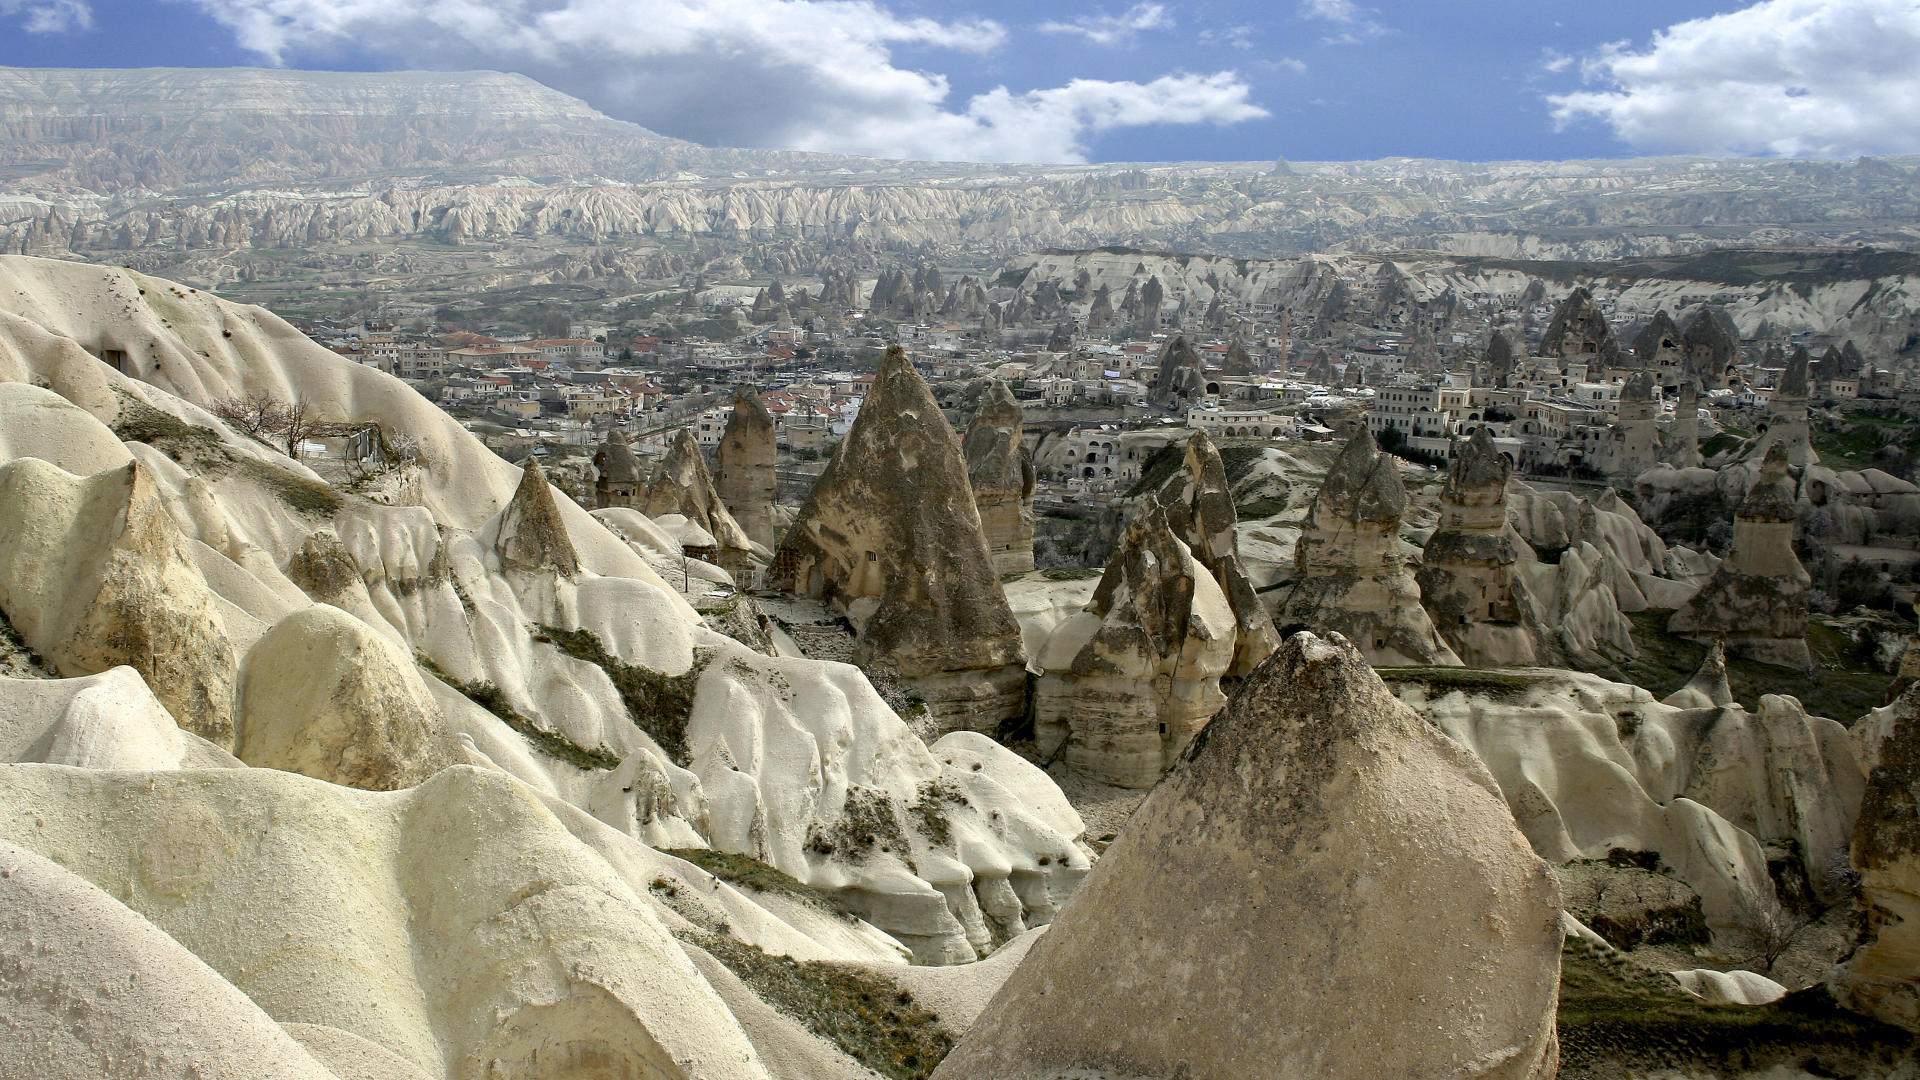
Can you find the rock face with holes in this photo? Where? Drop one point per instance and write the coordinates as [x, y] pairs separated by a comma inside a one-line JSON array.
[[1882, 977], [1467, 578], [1001, 471], [1384, 915], [682, 485], [95, 574], [744, 472], [1350, 573], [1127, 683], [1182, 379], [890, 536], [1756, 600]]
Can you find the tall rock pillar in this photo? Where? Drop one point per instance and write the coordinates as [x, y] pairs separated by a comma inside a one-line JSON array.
[[744, 468], [1001, 471]]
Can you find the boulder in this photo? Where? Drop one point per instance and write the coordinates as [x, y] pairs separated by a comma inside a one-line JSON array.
[[1384, 916], [322, 694]]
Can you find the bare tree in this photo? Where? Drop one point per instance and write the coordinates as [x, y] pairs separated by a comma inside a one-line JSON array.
[[300, 423], [1771, 930], [258, 415]]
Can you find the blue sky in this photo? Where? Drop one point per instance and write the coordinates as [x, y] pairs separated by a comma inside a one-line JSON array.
[[1154, 81]]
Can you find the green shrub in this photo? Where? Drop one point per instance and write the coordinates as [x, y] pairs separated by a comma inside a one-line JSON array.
[[658, 704], [494, 700], [750, 873]]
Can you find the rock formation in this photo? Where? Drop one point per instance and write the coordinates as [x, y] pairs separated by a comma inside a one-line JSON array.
[[322, 694], [532, 536], [890, 535], [1756, 600], [1501, 361], [1181, 380], [1660, 336], [1349, 572], [1128, 682], [1385, 916], [1579, 330], [1709, 351], [94, 574], [1635, 445], [1000, 468], [1682, 446], [617, 480], [744, 473], [1786, 417], [1238, 361], [1882, 977], [681, 485], [1198, 507], [1466, 577]]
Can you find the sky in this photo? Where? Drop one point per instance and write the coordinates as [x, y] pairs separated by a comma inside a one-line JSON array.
[[1161, 80]]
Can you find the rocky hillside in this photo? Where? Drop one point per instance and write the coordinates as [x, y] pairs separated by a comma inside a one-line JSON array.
[[1868, 296], [163, 163]]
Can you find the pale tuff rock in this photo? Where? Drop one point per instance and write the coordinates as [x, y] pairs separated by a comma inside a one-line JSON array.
[[458, 927], [1757, 600], [1681, 447], [1660, 336], [1181, 380], [105, 721], [1467, 576], [1000, 468], [1709, 351], [1127, 683], [1708, 689], [682, 485], [1353, 855], [798, 735], [891, 536], [531, 535], [1786, 418], [744, 467], [1634, 440], [1199, 509], [94, 574], [323, 695], [1729, 987], [1501, 361], [93, 989], [1587, 765], [1579, 330], [617, 480], [1880, 977], [1350, 575]]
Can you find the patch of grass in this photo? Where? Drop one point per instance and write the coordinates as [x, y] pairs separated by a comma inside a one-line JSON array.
[[871, 1018], [1725, 440], [185, 443], [309, 497], [1071, 573], [491, 698], [657, 704], [1156, 469], [1260, 508], [750, 873], [1616, 1015], [929, 810], [866, 825], [1844, 688], [1441, 680]]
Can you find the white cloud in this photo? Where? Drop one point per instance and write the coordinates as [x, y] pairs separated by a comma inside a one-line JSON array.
[[49, 16], [1111, 30], [1790, 77], [1354, 24], [802, 74], [1239, 37], [1554, 62]]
